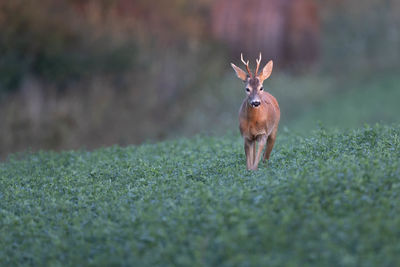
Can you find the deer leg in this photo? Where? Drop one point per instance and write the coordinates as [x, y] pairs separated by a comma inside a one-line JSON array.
[[270, 145], [261, 143], [248, 150], [254, 152]]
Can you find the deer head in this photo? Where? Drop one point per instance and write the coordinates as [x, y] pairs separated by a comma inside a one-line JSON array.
[[253, 82]]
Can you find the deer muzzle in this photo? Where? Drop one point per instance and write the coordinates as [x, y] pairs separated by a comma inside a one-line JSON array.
[[254, 101]]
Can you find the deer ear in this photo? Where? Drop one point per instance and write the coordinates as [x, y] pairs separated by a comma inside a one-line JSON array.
[[241, 74], [266, 72]]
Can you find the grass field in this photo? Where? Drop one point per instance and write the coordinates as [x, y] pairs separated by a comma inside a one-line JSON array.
[[368, 101], [331, 199]]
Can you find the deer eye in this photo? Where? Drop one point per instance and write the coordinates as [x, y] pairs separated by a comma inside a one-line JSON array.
[[262, 88], [247, 89]]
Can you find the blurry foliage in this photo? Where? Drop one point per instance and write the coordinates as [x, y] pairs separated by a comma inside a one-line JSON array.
[[287, 31], [123, 66], [376, 101], [138, 70], [51, 42], [361, 35]]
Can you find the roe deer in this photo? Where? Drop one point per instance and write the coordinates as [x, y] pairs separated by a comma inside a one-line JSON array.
[[259, 114]]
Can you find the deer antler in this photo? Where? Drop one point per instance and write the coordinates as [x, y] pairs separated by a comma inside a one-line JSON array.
[[246, 64], [258, 64]]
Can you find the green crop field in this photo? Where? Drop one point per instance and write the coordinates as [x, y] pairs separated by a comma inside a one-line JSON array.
[[330, 199]]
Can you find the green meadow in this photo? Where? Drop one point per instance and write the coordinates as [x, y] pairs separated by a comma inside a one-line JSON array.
[[329, 199]]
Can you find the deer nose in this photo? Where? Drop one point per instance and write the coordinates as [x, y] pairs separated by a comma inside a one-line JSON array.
[[255, 103]]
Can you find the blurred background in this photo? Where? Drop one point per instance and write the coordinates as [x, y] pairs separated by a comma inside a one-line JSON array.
[[92, 73]]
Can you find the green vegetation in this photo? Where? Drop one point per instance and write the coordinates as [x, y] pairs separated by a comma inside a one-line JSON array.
[[305, 100], [331, 199], [368, 101]]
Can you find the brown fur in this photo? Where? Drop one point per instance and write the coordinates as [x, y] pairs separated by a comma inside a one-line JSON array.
[[258, 124]]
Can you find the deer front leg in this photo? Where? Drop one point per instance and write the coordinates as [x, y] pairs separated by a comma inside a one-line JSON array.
[[254, 152], [248, 150], [261, 143]]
